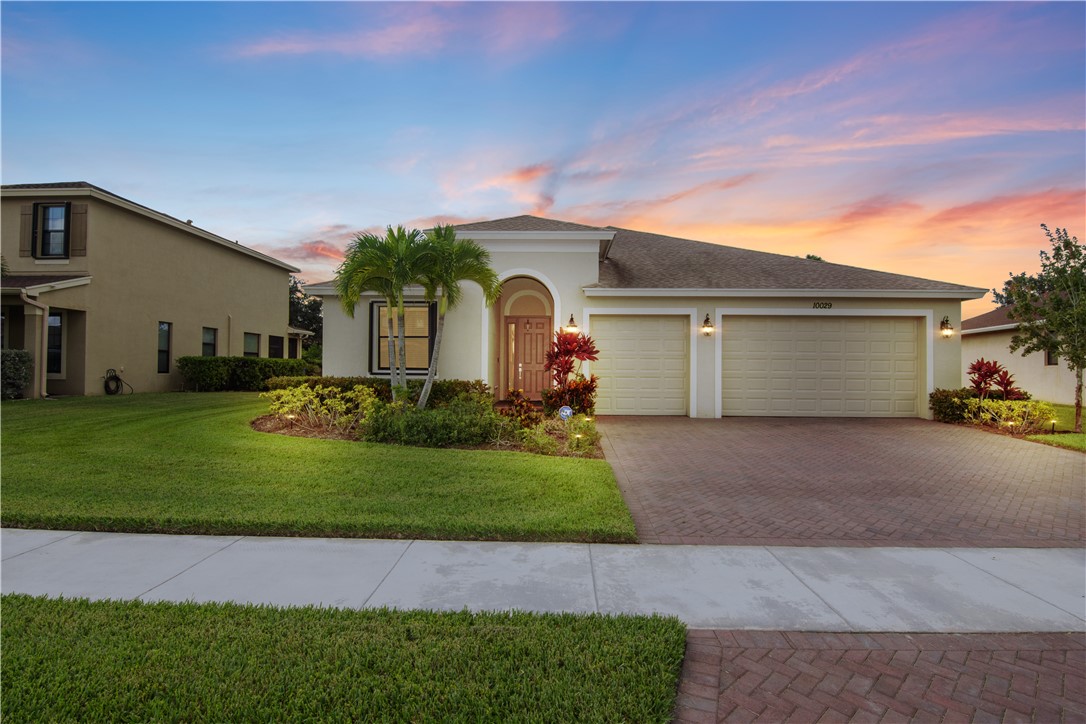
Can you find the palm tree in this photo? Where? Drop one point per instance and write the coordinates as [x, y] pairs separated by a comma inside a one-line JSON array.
[[451, 261], [385, 265]]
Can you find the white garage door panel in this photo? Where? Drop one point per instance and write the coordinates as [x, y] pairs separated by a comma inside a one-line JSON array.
[[820, 366], [643, 364]]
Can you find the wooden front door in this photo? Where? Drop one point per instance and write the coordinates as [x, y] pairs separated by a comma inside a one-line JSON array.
[[529, 339]]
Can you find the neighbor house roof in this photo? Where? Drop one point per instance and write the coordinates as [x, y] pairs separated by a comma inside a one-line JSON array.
[[996, 320], [82, 188], [35, 284]]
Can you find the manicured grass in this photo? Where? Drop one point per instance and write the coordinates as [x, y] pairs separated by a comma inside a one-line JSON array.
[[1069, 440], [190, 463], [74, 660], [1065, 417]]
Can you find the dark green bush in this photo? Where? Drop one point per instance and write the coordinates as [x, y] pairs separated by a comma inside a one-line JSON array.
[[469, 419], [17, 366], [442, 392], [247, 374], [950, 405]]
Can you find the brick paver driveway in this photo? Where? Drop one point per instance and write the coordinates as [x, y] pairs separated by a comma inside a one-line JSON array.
[[843, 482]]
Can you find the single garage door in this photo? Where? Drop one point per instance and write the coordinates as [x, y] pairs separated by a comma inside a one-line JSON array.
[[821, 366], [643, 364]]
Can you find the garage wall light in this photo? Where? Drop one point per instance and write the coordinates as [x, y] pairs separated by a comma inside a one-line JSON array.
[[572, 327], [707, 326], [946, 328]]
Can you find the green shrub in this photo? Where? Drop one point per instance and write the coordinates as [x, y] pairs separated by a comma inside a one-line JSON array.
[[575, 437], [468, 420], [442, 391], [321, 408], [1020, 417], [17, 366], [950, 405], [243, 374], [521, 409], [579, 393]]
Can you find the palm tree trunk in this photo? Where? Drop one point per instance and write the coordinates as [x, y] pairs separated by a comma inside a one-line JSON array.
[[402, 357], [432, 372], [391, 347]]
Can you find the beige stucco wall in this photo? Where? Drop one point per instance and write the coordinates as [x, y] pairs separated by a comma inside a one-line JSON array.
[[1051, 383], [565, 274], [145, 271]]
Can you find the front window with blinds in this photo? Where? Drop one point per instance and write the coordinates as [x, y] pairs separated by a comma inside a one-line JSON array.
[[419, 322], [164, 329], [54, 360], [51, 222], [275, 347]]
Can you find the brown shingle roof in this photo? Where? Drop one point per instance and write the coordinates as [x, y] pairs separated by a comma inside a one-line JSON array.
[[27, 281], [640, 260], [998, 317], [526, 223]]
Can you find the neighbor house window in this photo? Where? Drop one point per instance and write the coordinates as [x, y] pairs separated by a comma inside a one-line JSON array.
[[1051, 358], [420, 318], [164, 330], [211, 342], [293, 348], [51, 227], [275, 346], [54, 360], [252, 344]]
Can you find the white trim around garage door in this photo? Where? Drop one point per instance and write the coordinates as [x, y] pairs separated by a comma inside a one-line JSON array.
[[692, 348], [926, 314], [556, 300]]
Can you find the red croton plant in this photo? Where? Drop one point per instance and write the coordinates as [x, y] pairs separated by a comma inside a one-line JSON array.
[[569, 350]]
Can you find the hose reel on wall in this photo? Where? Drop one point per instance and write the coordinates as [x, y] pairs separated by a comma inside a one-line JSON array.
[[114, 384]]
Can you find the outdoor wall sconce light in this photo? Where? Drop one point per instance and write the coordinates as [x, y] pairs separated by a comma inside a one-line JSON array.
[[572, 327], [946, 328], [707, 326]]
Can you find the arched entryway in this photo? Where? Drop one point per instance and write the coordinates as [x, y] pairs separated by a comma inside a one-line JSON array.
[[525, 324]]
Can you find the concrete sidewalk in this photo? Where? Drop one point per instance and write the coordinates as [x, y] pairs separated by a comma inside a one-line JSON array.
[[710, 587]]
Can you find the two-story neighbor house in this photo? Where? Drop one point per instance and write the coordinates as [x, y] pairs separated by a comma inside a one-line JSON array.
[[98, 282], [683, 327]]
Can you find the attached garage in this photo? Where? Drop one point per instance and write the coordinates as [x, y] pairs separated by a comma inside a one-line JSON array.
[[813, 366], [644, 364]]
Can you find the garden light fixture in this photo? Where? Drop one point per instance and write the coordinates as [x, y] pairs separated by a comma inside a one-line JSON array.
[[707, 326], [946, 328]]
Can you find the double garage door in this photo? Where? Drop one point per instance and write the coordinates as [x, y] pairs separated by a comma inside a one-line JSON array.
[[820, 366], [772, 366]]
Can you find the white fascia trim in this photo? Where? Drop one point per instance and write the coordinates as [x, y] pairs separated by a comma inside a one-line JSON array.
[[556, 318], [151, 214], [328, 289], [554, 247], [997, 328], [36, 289], [927, 314], [824, 293], [692, 350], [586, 236]]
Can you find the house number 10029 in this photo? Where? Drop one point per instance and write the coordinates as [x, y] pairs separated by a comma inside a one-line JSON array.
[[823, 305]]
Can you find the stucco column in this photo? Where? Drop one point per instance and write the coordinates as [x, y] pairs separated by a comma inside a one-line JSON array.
[[34, 340]]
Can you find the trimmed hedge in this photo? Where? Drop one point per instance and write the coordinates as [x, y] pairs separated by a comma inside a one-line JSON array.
[[950, 405], [441, 393], [17, 366], [241, 374]]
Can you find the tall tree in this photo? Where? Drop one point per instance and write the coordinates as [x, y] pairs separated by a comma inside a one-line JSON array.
[[305, 312], [387, 266], [451, 261], [1050, 307]]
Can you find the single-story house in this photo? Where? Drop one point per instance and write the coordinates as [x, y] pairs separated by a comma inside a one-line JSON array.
[[98, 282], [1044, 376], [683, 327]]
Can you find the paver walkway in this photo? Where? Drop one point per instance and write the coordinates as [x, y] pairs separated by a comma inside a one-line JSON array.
[[779, 481]]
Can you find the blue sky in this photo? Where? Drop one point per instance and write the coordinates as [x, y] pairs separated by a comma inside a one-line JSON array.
[[920, 138]]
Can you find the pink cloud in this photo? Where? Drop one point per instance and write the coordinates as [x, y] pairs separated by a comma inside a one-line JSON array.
[[1057, 207], [416, 34]]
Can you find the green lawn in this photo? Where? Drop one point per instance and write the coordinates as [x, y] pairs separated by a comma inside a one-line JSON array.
[[73, 660], [190, 463], [1065, 421]]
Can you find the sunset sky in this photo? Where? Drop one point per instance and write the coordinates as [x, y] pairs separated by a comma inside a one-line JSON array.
[[929, 139]]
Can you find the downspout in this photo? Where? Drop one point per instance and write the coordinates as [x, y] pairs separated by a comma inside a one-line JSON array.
[[43, 342]]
